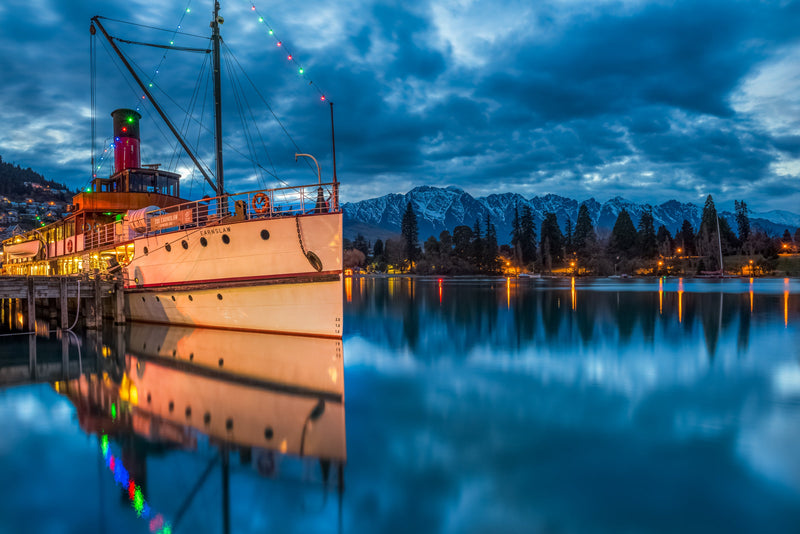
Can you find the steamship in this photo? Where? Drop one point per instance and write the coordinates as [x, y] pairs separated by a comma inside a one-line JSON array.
[[266, 261]]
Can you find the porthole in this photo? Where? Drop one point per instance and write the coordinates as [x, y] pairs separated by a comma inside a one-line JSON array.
[[191, 356], [226, 238], [146, 251], [188, 411], [184, 244], [229, 424], [219, 296], [221, 361], [142, 299], [264, 235], [174, 353], [268, 433], [171, 406], [158, 299], [173, 298], [207, 417], [204, 241], [168, 247], [149, 398], [190, 298]]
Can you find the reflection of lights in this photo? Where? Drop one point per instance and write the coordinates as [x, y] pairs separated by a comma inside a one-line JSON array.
[[660, 295], [751, 293], [133, 491], [786, 302], [348, 288], [508, 292], [440, 291], [574, 294], [680, 300]]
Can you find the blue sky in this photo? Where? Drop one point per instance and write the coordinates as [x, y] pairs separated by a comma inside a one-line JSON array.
[[646, 100]]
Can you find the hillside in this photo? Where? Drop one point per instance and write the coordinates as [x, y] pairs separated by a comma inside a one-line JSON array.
[[18, 184]]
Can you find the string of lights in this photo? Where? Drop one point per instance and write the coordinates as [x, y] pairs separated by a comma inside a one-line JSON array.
[[280, 45], [151, 78]]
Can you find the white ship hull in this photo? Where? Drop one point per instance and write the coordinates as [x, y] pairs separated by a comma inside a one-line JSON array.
[[253, 275]]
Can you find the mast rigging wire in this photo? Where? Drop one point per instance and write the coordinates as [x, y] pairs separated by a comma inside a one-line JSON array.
[[168, 47]]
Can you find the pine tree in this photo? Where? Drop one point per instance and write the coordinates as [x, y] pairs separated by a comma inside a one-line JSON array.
[[476, 255], [584, 236], [623, 236], [490, 247], [516, 230], [742, 220], [646, 235], [708, 240], [408, 229], [527, 235], [551, 244], [568, 247], [664, 240], [685, 239]]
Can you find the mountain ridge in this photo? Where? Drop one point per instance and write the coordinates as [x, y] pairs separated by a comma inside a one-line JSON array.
[[439, 209]]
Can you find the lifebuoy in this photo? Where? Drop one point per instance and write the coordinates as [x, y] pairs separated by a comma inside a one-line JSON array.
[[261, 203], [69, 245]]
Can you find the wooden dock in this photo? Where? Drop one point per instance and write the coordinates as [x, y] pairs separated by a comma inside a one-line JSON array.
[[92, 298]]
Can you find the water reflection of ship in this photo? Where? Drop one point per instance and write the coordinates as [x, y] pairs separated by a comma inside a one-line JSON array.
[[178, 388]]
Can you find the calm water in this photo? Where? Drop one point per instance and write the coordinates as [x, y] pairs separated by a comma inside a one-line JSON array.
[[471, 406]]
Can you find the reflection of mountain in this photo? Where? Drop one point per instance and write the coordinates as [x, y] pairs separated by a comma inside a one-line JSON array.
[[267, 397]]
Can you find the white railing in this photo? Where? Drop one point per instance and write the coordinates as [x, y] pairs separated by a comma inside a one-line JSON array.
[[263, 204]]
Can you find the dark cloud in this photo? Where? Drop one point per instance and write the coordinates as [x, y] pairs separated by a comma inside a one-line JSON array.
[[559, 92]]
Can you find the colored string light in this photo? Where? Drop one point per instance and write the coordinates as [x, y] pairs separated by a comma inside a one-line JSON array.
[[123, 479], [280, 44]]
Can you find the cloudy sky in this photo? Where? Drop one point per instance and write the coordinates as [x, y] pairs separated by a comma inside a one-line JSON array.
[[646, 100]]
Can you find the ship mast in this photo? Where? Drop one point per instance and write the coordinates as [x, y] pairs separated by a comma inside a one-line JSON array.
[[217, 97]]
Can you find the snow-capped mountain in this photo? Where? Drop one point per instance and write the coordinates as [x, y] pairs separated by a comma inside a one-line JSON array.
[[439, 209]]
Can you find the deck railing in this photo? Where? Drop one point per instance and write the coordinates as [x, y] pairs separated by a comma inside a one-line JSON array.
[[210, 211]]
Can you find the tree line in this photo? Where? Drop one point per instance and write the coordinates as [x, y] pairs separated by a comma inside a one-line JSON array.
[[628, 248]]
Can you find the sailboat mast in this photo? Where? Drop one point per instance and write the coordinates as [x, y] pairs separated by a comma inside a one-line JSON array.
[[217, 97]]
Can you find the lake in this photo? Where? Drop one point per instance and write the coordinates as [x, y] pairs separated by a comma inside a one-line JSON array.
[[450, 406]]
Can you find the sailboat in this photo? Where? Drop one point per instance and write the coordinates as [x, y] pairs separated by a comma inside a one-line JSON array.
[[267, 260]]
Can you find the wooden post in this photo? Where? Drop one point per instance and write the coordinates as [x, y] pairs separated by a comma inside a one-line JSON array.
[[62, 282], [97, 320], [119, 304], [31, 306]]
